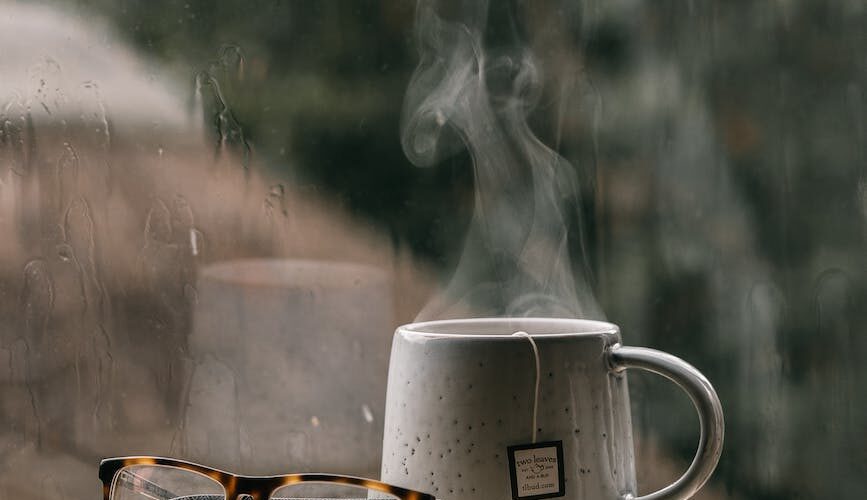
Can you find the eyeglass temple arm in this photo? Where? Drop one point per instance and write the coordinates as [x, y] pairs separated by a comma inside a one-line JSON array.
[[147, 488]]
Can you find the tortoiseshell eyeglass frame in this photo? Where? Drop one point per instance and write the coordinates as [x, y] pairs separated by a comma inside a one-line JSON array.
[[255, 487]]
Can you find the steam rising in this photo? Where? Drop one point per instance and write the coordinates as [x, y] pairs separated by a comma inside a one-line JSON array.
[[516, 259]]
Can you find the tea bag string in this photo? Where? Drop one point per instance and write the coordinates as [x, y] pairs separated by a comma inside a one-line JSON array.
[[536, 395]]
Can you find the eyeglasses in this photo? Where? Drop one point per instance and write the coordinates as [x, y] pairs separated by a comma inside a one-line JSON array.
[[154, 478]]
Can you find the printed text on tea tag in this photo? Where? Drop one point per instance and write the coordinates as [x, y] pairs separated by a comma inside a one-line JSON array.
[[536, 470]]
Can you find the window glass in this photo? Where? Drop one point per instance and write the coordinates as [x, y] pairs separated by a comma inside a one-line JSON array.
[[213, 215]]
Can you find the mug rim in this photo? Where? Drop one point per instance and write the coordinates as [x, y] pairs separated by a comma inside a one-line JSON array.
[[534, 326]]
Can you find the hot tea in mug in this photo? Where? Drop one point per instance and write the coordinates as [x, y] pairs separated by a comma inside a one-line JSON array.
[[527, 408]]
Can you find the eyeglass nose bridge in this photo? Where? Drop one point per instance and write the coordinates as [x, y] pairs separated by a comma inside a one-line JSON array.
[[247, 495], [250, 489]]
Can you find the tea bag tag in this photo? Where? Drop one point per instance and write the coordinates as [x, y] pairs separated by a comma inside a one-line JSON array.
[[536, 470]]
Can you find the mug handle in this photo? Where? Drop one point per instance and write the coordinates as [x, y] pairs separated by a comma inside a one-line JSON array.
[[706, 402]]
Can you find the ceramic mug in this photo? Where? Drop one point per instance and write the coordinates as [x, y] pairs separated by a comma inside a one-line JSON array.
[[476, 411]]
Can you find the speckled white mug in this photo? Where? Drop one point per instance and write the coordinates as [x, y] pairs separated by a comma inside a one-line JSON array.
[[461, 392]]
